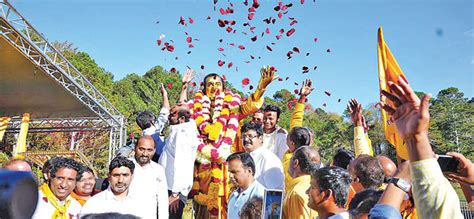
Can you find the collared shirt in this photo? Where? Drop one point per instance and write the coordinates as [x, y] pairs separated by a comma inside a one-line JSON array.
[[155, 130], [268, 169], [434, 196], [149, 185], [44, 208], [106, 202], [361, 142], [238, 198], [276, 142], [295, 204], [179, 156]]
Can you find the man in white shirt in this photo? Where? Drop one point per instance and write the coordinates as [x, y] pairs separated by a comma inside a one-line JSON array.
[[268, 167], [117, 199], [149, 180], [241, 171], [54, 199], [328, 192], [178, 157], [274, 137]]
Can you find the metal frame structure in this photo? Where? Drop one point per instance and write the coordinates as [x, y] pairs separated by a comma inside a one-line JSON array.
[[34, 46]]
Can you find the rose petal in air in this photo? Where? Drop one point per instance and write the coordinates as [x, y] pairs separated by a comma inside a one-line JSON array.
[[327, 93], [254, 38], [220, 49], [170, 85], [202, 67], [295, 49], [173, 70], [189, 39], [245, 81], [269, 48], [190, 20], [220, 63], [290, 32], [250, 16], [242, 47], [229, 65]]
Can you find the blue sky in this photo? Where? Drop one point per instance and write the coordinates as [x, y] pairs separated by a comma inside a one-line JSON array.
[[431, 39]]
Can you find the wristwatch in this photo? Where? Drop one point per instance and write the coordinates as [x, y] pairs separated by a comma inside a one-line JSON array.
[[401, 183]]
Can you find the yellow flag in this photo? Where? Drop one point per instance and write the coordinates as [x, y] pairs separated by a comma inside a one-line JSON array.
[[3, 126], [389, 71], [21, 141]]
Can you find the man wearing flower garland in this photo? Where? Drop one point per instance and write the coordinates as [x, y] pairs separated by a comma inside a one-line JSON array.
[[217, 113]]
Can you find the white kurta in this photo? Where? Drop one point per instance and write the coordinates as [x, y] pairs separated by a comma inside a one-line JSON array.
[[268, 169], [179, 155], [44, 208], [106, 202], [276, 142], [150, 186]]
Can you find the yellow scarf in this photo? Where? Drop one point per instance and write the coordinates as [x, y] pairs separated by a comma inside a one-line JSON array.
[[60, 212]]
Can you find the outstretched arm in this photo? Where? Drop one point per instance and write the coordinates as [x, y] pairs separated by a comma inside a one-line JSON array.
[[255, 101], [298, 113], [164, 94], [361, 144], [187, 77]]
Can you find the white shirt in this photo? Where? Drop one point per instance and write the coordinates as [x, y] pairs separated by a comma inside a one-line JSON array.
[[276, 142], [149, 185], [44, 208], [106, 202], [342, 215], [238, 198], [268, 169], [179, 155]]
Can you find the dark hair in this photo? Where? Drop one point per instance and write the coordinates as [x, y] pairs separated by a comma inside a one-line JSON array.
[[273, 108], [343, 157], [252, 126], [121, 162], [252, 209], [108, 216], [85, 169], [308, 159], [184, 112], [46, 166], [65, 162], [145, 119], [245, 158], [212, 75], [364, 200], [300, 136], [337, 179], [369, 171]]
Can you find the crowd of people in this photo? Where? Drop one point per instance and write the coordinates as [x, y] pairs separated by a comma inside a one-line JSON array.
[[226, 165]]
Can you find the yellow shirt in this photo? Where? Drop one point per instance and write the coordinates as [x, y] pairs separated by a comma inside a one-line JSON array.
[[361, 142], [434, 196], [295, 204], [296, 121], [286, 164]]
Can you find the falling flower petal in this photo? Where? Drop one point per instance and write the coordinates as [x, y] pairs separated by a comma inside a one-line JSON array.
[[254, 38], [158, 42], [315, 39], [228, 29], [189, 39], [276, 8], [280, 79], [295, 49], [208, 18], [327, 93], [296, 91], [286, 79], [255, 4], [220, 63], [290, 32], [252, 57], [293, 23], [269, 48], [173, 70], [280, 14], [267, 31], [241, 47], [202, 67], [230, 10], [190, 20], [250, 17], [229, 65], [324, 104], [232, 22], [221, 23], [307, 54], [338, 100], [182, 21], [220, 49], [302, 1], [282, 30], [328, 50], [191, 45], [278, 37], [232, 44], [251, 9], [189, 52], [251, 87], [245, 81], [222, 11], [170, 86], [315, 67], [170, 48], [224, 78]]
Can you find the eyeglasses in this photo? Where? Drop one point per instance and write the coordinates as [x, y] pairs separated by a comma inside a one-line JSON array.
[[249, 136]]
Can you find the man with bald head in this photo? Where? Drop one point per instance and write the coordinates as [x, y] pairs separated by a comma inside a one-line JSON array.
[[17, 165], [149, 180], [389, 167]]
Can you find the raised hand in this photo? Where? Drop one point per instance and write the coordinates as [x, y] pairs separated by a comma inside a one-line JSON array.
[[465, 172], [188, 76], [163, 91], [411, 116], [267, 75], [355, 110], [306, 88]]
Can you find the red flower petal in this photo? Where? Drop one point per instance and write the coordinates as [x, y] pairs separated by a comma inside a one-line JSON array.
[[191, 20], [229, 65], [327, 93], [254, 38], [282, 30], [286, 79], [302, 1], [158, 42], [229, 29], [251, 9], [241, 47], [232, 44], [315, 39], [170, 48], [208, 18], [189, 39], [278, 37], [296, 91], [269, 48], [245, 81], [255, 4], [173, 70], [220, 63], [202, 67], [170, 85], [224, 78], [267, 31], [251, 87], [182, 21], [328, 50], [295, 49], [223, 11], [229, 10], [293, 23], [220, 49], [338, 100], [191, 45], [290, 32], [232, 22], [250, 17], [221, 23], [280, 79], [280, 14]]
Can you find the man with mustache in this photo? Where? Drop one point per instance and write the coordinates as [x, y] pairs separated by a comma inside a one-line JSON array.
[[84, 186], [149, 183], [116, 199], [54, 200]]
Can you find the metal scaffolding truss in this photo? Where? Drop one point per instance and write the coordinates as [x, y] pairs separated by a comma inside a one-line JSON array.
[[18, 32], [35, 47]]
